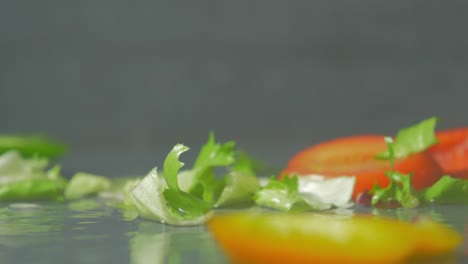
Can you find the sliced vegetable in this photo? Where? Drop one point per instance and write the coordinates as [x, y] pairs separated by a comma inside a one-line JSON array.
[[85, 184], [452, 152], [30, 146], [355, 156], [309, 238]]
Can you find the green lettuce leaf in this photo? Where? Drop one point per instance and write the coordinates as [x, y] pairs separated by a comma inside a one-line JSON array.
[[118, 196], [282, 195], [400, 188], [32, 146], [447, 190], [85, 184], [155, 199], [239, 188], [150, 202], [305, 193], [172, 166], [205, 184], [27, 179], [413, 139]]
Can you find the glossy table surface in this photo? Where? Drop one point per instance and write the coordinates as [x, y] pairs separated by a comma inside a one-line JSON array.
[[88, 231]]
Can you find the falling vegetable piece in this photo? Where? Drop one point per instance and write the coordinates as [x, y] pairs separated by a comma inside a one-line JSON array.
[[452, 152], [308, 238], [30, 146]]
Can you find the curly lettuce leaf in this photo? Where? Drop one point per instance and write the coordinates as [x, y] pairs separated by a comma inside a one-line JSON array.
[[400, 188], [447, 190], [151, 204], [413, 139], [85, 184], [32, 146], [172, 166], [155, 199], [205, 184]]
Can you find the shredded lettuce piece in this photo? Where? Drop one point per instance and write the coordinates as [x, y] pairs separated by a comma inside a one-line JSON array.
[[27, 179], [172, 166], [336, 192], [118, 196], [413, 139], [155, 199], [205, 184], [239, 188], [400, 188], [308, 193], [85, 184], [32, 146], [151, 204], [447, 190], [282, 195]]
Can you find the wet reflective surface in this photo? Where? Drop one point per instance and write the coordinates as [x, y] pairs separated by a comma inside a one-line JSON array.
[[88, 231]]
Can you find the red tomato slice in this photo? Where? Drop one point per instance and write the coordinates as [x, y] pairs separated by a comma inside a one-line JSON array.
[[354, 156], [452, 152]]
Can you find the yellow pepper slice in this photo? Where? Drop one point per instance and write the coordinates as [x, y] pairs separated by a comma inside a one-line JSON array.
[[311, 238]]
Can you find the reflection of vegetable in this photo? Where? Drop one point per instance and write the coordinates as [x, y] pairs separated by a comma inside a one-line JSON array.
[[307, 238], [157, 244], [30, 146], [27, 179], [452, 152]]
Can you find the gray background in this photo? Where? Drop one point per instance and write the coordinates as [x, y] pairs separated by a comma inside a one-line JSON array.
[[122, 81]]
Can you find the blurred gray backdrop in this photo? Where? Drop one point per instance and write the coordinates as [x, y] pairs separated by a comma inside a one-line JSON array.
[[122, 81]]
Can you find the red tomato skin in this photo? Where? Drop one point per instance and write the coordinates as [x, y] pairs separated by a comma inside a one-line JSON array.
[[354, 156], [452, 152]]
